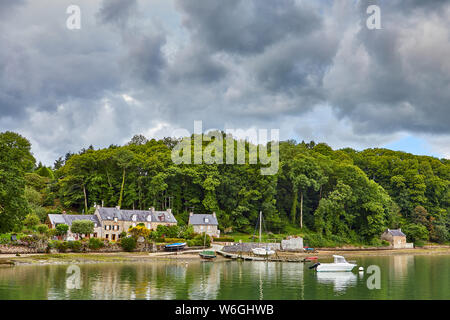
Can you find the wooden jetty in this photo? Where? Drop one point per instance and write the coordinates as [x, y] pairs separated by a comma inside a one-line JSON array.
[[240, 256]]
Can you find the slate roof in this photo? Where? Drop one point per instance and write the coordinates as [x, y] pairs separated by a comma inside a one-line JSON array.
[[141, 215], [203, 219], [69, 218], [396, 232]]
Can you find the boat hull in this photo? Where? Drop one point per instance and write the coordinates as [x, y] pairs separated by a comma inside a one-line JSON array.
[[175, 246], [262, 252], [335, 267], [207, 254]]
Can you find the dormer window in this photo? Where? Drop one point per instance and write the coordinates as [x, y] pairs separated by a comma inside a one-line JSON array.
[[206, 220], [115, 219], [134, 217], [149, 218]]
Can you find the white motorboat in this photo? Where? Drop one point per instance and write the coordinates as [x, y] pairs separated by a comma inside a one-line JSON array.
[[339, 265], [263, 251]]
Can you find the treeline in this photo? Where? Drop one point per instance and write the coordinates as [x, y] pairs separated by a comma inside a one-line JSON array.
[[343, 195]]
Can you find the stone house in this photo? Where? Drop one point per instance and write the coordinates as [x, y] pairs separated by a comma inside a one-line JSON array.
[[109, 223], [205, 223], [396, 238], [115, 220], [54, 219]]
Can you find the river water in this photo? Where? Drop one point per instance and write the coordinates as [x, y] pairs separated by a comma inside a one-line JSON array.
[[400, 277]]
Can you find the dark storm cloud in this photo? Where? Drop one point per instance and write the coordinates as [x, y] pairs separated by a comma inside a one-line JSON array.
[[406, 73], [140, 67], [145, 58], [117, 11], [246, 27]]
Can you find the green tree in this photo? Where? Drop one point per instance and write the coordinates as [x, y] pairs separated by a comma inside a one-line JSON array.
[[31, 221], [85, 227], [15, 160], [61, 229]]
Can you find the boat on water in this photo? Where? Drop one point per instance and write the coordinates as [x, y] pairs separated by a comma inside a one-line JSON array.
[[261, 251], [175, 246], [310, 259], [339, 265], [208, 254]]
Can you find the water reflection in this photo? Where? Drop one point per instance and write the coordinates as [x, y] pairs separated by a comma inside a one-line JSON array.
[[400, 265], [340, 280], [402, 277]]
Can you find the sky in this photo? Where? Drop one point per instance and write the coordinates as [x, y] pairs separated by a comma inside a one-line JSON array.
[[312, 69]]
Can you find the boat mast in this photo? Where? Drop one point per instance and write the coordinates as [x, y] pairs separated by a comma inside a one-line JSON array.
[[260, 223]]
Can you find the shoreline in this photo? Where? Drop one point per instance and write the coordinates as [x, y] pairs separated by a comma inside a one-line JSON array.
[[8, 260]]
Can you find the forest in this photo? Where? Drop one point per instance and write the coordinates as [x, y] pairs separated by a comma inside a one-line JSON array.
[[332, 197]]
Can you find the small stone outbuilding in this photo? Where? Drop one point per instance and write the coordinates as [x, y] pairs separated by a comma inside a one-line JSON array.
[[396, 238], [205, 223]]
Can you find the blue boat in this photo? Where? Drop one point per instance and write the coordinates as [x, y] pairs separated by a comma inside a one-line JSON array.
[[175, 246]]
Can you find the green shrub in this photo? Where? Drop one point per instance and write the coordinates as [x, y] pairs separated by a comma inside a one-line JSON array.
[[31, 221], [415, 232], [128, 244], [75, 246], [61, 229], [95, 243], [173, 240], [199, 240], [223, 239], [419, 243], [123, 234], [42, 228], [385, 243], [62, 246]]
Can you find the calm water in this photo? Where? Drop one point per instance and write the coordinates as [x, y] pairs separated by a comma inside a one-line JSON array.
[[402, 277]]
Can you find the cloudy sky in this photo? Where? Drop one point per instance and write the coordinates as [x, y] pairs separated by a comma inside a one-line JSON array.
[[309, 68]]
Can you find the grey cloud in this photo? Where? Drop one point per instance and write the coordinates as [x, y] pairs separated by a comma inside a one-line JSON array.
[[243, 27], [117, 12], [229, 63], [145, 58]]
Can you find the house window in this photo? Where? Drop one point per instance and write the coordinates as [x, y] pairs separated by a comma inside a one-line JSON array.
[[107, 236], [113, 237]]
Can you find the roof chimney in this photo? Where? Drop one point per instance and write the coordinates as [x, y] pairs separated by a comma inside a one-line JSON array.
[[152, 209], [169, 210], [118, 207], [191, 214], [214, 214], [102, 203]]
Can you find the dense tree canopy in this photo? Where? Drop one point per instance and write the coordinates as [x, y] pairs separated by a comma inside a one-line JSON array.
[[334, 193]]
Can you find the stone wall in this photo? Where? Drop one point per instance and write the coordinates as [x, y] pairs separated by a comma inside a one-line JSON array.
[[292, 244], [247, 247], [11, 249]]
